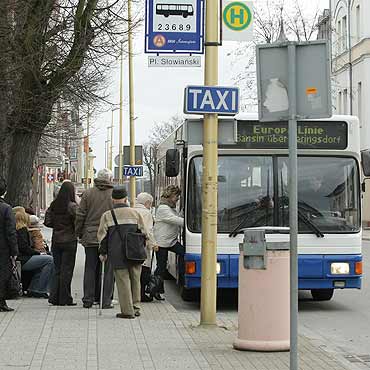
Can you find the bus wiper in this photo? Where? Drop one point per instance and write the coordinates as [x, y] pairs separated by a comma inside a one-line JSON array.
[[236, 230], [309, 223]]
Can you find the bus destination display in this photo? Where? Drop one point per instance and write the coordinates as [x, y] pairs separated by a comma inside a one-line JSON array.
[[274, 135]]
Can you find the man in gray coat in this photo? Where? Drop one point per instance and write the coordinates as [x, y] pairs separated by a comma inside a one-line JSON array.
[[94, 202]]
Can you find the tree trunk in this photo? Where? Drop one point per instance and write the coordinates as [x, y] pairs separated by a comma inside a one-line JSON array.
[[23, 152]]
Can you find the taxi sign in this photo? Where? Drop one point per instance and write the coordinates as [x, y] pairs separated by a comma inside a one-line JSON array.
[[137, 171], [237, 21], [211, 99]]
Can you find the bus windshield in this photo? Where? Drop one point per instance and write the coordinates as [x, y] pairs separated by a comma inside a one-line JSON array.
[[253, 191]]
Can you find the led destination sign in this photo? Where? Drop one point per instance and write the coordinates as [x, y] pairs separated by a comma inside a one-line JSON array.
[[274, 135]]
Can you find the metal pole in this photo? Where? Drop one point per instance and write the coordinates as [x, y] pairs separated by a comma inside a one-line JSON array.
[[131, 106], [87, 149], [293, 207], [209, 181], [111, 143], [120, 166], [350, 60]]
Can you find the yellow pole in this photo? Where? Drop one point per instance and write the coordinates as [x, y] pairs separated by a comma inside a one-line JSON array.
[[111, 143], [209, 182], [87, 151], [131, 105], [120, 166]]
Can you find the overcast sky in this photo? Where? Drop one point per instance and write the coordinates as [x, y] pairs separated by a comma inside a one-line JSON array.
[[158, 92]]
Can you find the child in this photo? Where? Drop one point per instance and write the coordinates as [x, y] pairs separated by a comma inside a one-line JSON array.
[[37, 240]]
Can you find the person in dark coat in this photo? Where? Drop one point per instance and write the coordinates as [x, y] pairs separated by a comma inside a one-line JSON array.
[[38, 264], [61, 217], [8, 246]]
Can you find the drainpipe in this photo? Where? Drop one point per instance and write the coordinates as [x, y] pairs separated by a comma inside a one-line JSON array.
[[350, 59]]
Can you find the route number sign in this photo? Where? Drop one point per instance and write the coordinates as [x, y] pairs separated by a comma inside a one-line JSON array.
[[237, 20], [174, 26]]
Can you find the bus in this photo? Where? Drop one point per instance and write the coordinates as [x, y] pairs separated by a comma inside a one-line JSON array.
[[166, 10], [253, 192]]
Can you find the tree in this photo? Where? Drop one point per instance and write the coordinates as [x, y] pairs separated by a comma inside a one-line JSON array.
[[159, 132], [51, 49], [271, 17]]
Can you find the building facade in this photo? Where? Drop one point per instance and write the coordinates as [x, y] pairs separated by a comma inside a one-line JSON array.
[[350, 43]]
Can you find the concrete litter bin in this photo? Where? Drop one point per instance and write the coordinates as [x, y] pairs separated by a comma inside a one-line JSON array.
[[264, 291]]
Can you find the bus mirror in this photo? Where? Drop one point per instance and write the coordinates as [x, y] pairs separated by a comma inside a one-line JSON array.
[[365, 159], [172, 162]]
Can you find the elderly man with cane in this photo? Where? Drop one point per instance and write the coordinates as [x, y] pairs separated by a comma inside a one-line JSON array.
[[122, 235]]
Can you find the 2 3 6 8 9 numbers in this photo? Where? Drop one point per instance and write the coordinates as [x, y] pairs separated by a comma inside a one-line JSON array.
[[174, 27]]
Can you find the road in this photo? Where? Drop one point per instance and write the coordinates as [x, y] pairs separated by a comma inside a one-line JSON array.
[[341, 326]]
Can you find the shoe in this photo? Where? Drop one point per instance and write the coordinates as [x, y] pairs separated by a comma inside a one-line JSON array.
[[87, 304], [6, 308], [146, 298], [137, 313], [107, 306], [158, 297], [114, 302], [71, 304], [38, 295], [123, 316]]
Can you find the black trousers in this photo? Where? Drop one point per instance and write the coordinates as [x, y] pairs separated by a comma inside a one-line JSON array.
[[162, 258], [5, 273], [64, 255], [92, 278], [144, 279]]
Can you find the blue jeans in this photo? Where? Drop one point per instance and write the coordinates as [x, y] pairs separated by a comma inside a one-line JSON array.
[[42, 265]]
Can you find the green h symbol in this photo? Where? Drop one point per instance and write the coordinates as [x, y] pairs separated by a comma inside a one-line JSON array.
[[234, 16]]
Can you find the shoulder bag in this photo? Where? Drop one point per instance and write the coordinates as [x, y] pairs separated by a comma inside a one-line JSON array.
[[134, 244], [14, 287]]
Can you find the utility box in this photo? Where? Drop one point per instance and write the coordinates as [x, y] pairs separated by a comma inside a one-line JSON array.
[[264, 290]]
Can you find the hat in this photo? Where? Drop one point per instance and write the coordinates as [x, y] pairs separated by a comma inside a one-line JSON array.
[[34, 222], [119, 192]]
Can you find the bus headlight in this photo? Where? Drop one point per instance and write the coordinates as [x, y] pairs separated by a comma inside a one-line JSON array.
[[340, 268], [218, 268]]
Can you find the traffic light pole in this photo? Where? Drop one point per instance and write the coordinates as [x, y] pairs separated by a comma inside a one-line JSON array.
[[131, 105], [209, 181]]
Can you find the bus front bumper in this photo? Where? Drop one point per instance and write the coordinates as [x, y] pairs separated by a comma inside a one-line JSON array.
[[314, 271]]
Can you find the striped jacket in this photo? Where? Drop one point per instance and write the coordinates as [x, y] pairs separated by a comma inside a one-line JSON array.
[[129, 220]]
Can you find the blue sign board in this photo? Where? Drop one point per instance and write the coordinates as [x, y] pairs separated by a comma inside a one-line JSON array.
[[211, 99], [174, 26], [137, 171]]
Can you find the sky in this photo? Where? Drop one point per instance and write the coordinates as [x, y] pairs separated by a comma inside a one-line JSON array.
[[158, 92]]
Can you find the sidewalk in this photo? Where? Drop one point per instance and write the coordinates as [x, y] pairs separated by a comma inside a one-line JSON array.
[[38, 336]]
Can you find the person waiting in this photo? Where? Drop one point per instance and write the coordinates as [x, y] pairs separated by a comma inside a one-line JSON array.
[[41, 265]]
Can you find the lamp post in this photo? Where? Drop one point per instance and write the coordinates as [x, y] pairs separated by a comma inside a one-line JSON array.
[[120, 166]]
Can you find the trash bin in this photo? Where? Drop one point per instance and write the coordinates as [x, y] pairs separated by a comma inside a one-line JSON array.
[[264, 291]]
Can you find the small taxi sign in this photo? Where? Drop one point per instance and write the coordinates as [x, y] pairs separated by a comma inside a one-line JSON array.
[[136, 171], [237, 18]]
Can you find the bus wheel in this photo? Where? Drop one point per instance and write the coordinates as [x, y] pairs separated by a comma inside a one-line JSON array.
[[188, 295], [322, 294]]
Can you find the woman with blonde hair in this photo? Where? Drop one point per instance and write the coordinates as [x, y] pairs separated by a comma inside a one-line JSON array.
[[167, 226], [39, 264]]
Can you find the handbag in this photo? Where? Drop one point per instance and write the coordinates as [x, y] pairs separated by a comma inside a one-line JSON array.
[[14, 287], [155, 283], [134, 244]]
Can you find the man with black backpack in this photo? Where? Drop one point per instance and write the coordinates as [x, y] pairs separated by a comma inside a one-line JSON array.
[[8, 246], [122, 235]]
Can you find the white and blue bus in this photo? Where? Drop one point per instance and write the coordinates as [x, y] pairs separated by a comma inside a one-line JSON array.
[[253, 168]]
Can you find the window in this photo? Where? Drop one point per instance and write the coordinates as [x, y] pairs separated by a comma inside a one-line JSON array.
[[358, 23], [359, 102], [344, 33], [345, 101], [339, 36]]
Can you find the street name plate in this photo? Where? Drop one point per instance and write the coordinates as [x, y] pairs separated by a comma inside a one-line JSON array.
[[174, 61]]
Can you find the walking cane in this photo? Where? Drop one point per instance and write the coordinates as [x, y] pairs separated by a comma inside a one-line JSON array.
[[101, 288]]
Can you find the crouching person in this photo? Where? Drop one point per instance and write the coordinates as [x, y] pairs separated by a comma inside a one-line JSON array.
[[113, 232]]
